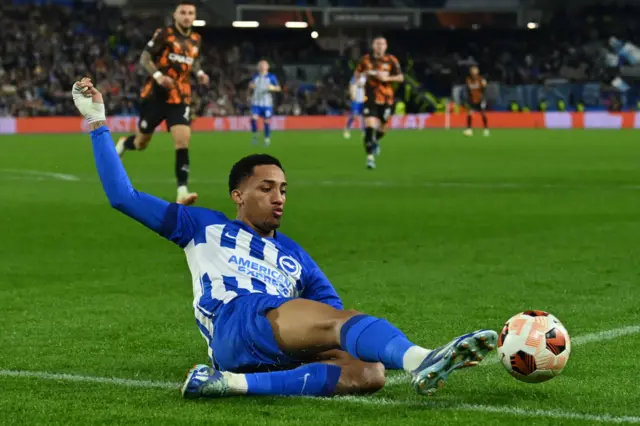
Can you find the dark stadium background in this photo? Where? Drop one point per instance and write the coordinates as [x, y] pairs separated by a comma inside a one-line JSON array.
[[567, 62]]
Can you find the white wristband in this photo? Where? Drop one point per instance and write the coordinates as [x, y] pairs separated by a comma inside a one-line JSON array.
[[199, 73], [157, 74]]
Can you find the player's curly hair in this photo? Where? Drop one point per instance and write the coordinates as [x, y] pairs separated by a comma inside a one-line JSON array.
[[244, 168]]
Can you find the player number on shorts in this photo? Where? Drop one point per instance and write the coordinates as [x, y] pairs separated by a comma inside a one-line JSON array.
[[186, 112], [387, 113]]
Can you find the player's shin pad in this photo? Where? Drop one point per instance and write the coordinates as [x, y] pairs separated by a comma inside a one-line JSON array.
[[372, 339], [310, 380]]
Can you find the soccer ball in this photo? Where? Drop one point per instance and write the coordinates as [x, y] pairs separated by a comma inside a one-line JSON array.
[[534, 346]]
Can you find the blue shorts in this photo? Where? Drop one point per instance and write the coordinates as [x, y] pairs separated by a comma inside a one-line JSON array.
[[243, 339], [357, 108], [262, 111]]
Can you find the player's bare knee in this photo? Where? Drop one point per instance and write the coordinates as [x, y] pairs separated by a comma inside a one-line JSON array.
[[339, 319], [142, 141], [361, 378], [254, 117], [182, 143], [373, 377]]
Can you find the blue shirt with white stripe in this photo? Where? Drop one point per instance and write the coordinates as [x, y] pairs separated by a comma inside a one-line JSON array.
[[227, 258], [262, 96], [359, 83]]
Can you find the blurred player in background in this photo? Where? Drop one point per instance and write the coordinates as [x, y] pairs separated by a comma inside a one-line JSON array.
[[170, 58], [272, 320], [263, 85], [356, 92], [381, 70], [476, 87]]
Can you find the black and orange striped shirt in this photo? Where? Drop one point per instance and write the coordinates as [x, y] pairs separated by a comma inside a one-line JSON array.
[[475, 87], [174, 55], [376, 90]]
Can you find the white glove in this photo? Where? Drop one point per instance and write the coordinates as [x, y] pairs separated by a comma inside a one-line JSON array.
[[88, 101]]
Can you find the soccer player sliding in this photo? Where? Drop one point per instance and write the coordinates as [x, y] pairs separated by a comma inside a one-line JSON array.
[[273, 323]]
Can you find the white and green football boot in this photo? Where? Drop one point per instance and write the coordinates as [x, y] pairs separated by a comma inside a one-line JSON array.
[[464, 351]]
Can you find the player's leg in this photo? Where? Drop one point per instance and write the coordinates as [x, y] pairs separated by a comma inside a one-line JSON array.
[[335, 373], [350, 119], [302, 327], [181, 135], [381, 131], [179, 124], [485, 119], [248, 360], [372, 122], [151, 115], [255, 114], [469, 130], [266, 123]]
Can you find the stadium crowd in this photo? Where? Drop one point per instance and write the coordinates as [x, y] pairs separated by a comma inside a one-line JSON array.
[[43, 49]]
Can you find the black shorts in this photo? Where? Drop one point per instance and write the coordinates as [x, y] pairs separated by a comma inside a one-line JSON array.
[[380, 111], [153, 113], [477, 106]]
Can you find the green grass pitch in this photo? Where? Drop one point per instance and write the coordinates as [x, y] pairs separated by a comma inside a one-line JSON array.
[[449, 234]]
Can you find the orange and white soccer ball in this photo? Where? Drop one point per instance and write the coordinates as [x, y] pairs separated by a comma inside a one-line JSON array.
[[534, 346]]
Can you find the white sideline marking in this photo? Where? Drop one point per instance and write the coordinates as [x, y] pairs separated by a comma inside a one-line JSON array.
[[401, 378], [453, 406], [494, 409], [37, 173], [91, 379]]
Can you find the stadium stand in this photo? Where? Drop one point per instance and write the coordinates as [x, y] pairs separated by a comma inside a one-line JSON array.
[[45, 47]]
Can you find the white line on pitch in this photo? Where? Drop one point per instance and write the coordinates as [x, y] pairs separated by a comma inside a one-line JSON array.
[[614, 333], [438, 405], [91, 379], [41, 174], [494, 409]]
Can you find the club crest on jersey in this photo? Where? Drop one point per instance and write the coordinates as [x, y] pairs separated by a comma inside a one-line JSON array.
[[291, 266]]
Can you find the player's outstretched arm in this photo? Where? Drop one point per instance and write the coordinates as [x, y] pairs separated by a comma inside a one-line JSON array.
[[146, 209]]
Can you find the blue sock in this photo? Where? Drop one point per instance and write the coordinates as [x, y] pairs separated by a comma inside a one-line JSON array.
[[310, 379], [373, 339], [254, 126], [350, 121], [267, 129]]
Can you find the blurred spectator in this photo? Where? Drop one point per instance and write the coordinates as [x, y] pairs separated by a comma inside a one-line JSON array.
[[43, 49]]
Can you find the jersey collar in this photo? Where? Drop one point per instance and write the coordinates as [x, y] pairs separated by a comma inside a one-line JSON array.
[[254, 232]]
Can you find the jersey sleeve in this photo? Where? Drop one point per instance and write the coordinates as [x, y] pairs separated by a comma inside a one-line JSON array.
[[274, 80], [182, 224], [145, 208], [396, 69], [362, 65], [319, 288], [157, 42]]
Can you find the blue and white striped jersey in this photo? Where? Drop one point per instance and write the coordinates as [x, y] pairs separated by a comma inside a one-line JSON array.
[[261, 95], [227, 259], [359, 83]]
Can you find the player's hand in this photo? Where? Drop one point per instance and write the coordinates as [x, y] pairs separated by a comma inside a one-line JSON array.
[[203, 78], [165, 81], [88, 100]]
